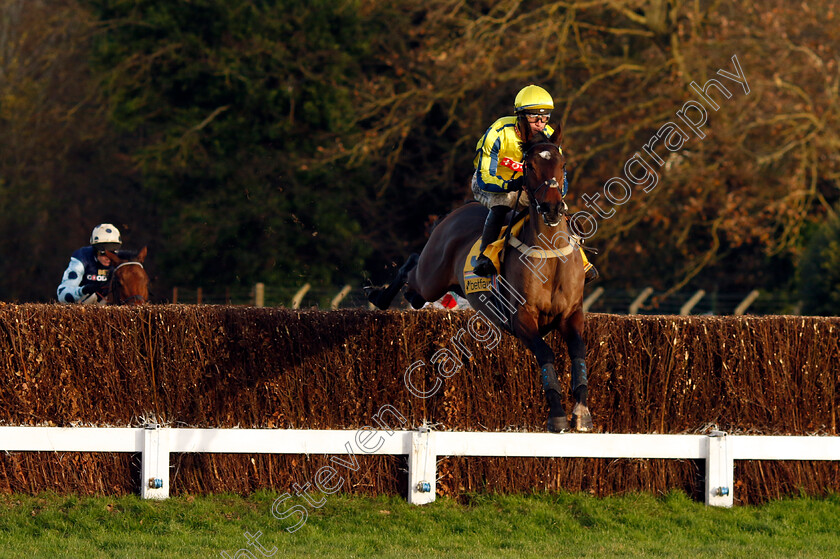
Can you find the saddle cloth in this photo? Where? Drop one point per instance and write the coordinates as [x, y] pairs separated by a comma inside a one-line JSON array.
[[474, 283]]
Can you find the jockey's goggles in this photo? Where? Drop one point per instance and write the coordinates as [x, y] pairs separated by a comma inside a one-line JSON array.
[[538, 118], [102, 248]]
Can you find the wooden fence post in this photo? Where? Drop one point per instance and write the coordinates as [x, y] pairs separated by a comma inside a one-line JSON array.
[[720, 470], [259, 295]]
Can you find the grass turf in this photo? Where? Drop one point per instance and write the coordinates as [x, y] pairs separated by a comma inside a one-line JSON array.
[[543, 525]]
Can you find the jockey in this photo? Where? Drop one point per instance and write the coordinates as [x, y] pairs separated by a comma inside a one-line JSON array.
[[86, 278], [498, 168]]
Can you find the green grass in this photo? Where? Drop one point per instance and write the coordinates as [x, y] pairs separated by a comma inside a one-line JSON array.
[[555, 525]]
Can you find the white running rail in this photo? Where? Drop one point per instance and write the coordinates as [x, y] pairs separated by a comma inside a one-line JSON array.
[[422, 447]]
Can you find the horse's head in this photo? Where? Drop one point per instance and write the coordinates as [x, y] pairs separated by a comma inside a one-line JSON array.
[[129, 281], [545, 171]]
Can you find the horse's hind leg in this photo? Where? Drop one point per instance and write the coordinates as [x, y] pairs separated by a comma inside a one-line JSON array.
[[581, 417], [382, 297], [414, 298]]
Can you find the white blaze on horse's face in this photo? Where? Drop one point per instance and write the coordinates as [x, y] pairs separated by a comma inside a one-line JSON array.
[[552, 183], [544, 166]]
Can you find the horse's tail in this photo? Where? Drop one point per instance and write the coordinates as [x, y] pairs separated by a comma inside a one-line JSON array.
[[383, 296]]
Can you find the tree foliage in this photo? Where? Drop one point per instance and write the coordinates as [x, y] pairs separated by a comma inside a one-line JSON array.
[[725, 205], [819, 274], [59, 172], [222, 98], [287, 142]]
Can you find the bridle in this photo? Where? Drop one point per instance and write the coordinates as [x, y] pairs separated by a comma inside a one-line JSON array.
[[115, 283], [550, 183]]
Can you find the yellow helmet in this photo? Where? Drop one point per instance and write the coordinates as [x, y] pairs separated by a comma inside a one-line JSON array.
[[533, 99]]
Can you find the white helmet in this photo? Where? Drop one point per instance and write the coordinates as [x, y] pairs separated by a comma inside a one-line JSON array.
[[105, 237]]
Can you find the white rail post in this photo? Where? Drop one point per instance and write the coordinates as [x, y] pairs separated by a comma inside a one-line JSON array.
[[720, 470], [637, 302], [592, 298], [748, 300], [339, 297], [154, 472], [686, 308], [296, 300], [422, 467]]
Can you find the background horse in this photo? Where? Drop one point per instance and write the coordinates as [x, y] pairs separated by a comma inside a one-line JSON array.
[[129, 283], [542, 289]]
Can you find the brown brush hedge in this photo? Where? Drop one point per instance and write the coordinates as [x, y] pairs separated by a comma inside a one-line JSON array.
[[223, 366]]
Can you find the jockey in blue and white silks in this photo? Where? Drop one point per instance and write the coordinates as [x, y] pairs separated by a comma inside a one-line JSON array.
[[87, 275]]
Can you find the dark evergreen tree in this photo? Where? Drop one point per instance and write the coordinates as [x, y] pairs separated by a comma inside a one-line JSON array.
[[819, 272], [226, 100]]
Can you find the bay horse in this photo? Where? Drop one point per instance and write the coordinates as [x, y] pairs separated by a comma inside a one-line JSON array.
[[543, 282], [129, 284]]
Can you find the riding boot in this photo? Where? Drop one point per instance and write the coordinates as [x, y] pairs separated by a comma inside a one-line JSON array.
[[492, 227], [590, 274]]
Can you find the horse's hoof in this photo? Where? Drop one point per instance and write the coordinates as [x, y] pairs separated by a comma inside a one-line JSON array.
[[373, 293], [558, 424], [581, 418]]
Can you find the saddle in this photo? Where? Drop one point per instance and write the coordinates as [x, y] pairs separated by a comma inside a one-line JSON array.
[[496, 296], [495, 251]]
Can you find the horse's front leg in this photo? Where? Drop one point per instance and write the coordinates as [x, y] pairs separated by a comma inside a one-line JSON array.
[[526, 328], [581, 418]]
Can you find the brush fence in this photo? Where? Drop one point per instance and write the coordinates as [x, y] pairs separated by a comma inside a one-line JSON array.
[[422, 447]]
